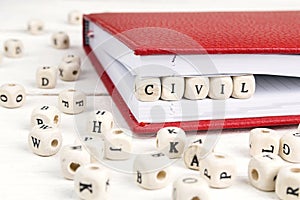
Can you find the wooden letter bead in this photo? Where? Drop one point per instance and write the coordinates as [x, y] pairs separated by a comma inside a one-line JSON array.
[[172, 88], [71, 158], [12, 95], [263, 140], [147, 89], [60, 40], [45, 140], [91, 182], [118, 144], [69, 71], [196, 87], [288, 183], [75, 17], [46, 77], [13, 48], [171, 141], [190, 188], [289, 147], [71, 101], [219, 170], [220, 87], [152, 170], [45, 114], [192, 154], [35, 26], [100, 121], [263, 169], [70, 58], [243, 86]]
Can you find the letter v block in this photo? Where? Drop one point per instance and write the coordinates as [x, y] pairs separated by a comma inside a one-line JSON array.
[[196, 87]]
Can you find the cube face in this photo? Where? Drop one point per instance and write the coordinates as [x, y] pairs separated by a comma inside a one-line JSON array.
[[172, 88], [118, 144], [70, 58], [263, 170], [218, 170], [13, 48], [192, 154], [71, 101], [289, 147], [44, 140], [91, 182], [60, 40], [46, 77], [35, 26], [220, 88], [75, 17], [45, 114], [12, 95], [171, 141], [100, 122], [69, 71], [196, 87], [71, 158], [191, 188], [243, 86], [287, 182], [147, 89], [263, 140], [152, 171]]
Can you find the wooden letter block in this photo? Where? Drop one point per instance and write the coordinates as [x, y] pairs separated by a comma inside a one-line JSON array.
[[75, 17], [35, 26], [12, 95], [243, 86], [220, 88], [46, 77], [172, 88], [71, 101], [60, 40], [192, 154], [69, 71], [100, 122], [45, 114], [290, 147], [147, 89], [196, 87], [13, 48]]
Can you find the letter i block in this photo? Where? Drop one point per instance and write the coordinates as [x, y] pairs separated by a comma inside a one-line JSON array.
[[171, 141], [46, 77], [288, 183], [100, 121], [219, 170], [147, 89], [153, 171], [172, 88], [220, 88]]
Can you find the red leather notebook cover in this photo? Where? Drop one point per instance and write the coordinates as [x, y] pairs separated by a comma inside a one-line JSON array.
[[221, 33]]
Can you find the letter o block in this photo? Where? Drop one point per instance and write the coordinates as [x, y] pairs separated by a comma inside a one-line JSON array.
[[147, 89], [12, 95], [288, 183], [289, 147], [46, 77], [263, 140], [219, 170]]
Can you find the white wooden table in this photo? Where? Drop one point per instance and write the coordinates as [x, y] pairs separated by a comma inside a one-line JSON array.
[[27, 176]]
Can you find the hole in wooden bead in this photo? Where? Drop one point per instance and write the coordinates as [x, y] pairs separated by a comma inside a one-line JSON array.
[[71, 90], [66, 42], [161, 175], [55, 119], [219, 156], [254, 174], [156, 143], [94, 168], [11, 84], [75, 72], [6, 48], [195, 198], [54, 143], [74, 166], [265, 131], [295, 170], [118, 131]]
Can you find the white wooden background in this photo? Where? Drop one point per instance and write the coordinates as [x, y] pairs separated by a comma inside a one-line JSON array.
[[27, 176]]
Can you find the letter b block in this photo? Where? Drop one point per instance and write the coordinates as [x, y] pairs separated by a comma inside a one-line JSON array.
[[46, 77], [218, 169]]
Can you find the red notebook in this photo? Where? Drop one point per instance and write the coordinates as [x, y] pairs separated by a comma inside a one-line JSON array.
[[251, 42]]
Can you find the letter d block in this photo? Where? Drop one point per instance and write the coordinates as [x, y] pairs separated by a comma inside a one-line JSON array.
[[219, 170], [288, 183], [152, 170], [46, 77], [147, 89]]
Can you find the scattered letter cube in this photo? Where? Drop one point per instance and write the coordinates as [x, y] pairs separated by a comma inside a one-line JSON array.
[[69, 71], [46, 77], [60, 40], [290, 147], [71, 101], [35, 26], [45, 114], [192, 155], [13, 48], [100, 122], [12, 95], [75, 17]]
